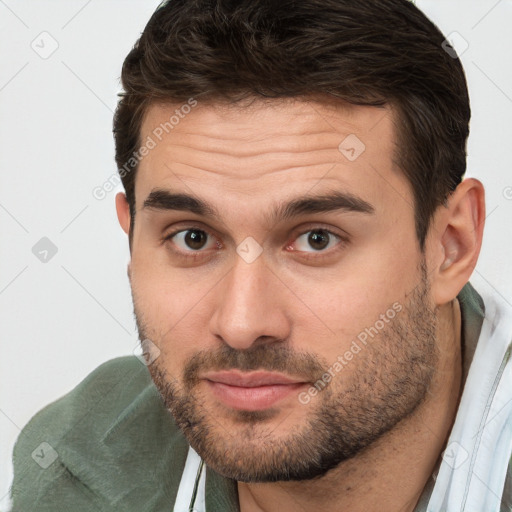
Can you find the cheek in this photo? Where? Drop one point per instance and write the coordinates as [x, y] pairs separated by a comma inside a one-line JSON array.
[[169, 312], [166, 293], [353, 296]]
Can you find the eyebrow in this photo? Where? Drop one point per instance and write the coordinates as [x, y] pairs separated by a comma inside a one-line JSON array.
[[161, 199], [333, 201]]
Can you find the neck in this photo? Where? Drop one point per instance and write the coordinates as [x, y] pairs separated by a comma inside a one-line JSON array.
[[391, 474]]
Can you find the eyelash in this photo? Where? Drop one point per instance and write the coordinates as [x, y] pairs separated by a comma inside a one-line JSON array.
[[195, 255]]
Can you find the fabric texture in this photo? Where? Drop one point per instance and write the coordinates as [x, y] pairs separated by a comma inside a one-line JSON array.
[[110, 445], [473, 473]]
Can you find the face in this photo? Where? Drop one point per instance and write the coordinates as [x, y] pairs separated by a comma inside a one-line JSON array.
[[276, 273]]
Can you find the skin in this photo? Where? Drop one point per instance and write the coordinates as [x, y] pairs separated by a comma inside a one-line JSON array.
[[243, 160]]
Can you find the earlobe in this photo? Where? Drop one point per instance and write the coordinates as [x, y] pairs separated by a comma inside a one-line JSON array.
[[458, 228], [123, 212]]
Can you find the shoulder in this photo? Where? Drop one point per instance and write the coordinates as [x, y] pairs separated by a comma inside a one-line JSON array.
[[95, 400], [91, 443]]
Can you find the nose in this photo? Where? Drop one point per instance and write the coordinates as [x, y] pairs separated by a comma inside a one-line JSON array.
[[250, 306]]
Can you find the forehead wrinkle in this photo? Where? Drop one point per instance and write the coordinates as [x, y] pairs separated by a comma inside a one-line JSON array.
[[258, 145], [243, 168]]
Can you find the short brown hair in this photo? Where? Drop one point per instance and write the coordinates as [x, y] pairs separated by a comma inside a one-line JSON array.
[[365, 52]]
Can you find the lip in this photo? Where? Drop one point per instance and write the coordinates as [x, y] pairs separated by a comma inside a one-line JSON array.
[[251, 391], [249, 379]]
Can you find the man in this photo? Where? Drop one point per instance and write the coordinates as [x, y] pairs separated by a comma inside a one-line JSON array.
[[301, 242]]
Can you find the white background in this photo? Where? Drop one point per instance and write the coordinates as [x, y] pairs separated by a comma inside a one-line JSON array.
[[60, 319]]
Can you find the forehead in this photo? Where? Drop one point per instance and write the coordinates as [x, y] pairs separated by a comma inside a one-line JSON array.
[[265, 150]]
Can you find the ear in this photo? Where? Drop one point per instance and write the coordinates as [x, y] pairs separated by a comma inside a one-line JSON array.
[[123, 212], [455, 240]]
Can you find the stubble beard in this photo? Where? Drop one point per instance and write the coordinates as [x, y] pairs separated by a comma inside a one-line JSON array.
[[389, 379]]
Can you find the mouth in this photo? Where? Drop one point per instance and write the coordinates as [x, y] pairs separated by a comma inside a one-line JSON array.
[[251, 391]]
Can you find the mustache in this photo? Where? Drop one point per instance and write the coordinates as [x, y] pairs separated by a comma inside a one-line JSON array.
[[273, 357]]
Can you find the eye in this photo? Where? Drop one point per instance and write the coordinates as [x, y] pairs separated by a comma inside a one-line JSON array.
[[316, 240], [191, 240]]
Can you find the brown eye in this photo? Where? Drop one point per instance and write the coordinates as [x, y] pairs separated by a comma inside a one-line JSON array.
[[318, 239], [195, 239], [318, 245], [191, 240]]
